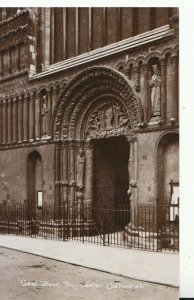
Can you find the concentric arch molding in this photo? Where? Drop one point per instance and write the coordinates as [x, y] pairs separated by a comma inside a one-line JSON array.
[[81, 95]]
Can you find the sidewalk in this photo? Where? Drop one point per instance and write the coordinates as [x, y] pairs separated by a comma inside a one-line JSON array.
[[162, 268]]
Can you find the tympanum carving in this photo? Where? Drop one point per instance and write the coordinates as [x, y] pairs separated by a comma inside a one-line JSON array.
[[108, 119]]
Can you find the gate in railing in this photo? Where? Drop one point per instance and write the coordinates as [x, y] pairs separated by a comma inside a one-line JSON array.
[[146, 227]]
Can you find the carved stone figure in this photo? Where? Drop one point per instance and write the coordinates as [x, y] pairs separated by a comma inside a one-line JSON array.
[[44, 113], [108, 117], [80, 169], [155, 85]]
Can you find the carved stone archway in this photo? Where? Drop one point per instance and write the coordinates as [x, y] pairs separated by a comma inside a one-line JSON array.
[[97, 103], [83, 91]]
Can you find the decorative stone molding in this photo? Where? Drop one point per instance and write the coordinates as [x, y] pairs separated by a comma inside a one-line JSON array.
[[15, 16], [83, 91], [129, 44]]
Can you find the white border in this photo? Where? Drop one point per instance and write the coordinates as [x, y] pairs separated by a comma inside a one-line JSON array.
[[90, 3], [187, 149]]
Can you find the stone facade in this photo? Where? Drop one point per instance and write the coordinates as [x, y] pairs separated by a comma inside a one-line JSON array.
[[64, 92]]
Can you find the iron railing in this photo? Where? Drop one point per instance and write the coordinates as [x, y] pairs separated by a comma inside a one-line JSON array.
[[145, 227]]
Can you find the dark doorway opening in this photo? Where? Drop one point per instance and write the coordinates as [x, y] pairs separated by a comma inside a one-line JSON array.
[[111, 182]]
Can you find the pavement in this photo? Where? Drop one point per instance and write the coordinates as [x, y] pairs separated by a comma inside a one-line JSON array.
[[155, 267]]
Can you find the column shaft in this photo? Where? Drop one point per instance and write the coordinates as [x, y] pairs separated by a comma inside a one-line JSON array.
[[25, 119], [37, 116], [146, 94], [71, 173], [49, 117], [65, 171], [14, 120], [5, 122], [175, 88], [1, 122], [20, 119], [10, 121], [31, 117], [57, 179], [89, 177]]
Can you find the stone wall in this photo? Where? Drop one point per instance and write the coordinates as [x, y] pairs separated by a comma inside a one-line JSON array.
[[13, 173]]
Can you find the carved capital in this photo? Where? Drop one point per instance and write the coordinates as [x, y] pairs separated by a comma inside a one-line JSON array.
[[65, 144], [72, 183], [80, 144], [131, 138], [146, 67], [72, 144], [58, 145], [133, 183], [89, 145], [163, 62]]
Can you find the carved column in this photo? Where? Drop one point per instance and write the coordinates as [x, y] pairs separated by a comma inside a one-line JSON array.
[[7, 118], [37, 116], [10, 120], [57, 179], [47, 34], [55, 94], [89, 176], [65, 170], [5, 121], [132, 171], [18, 59], [137, 79], [25, 119], [163, 89], [146, 93], [72, 182], [9, 62], [49, 118], [1, 122], [31, 117], [175, 105], [1, 65], [14, 125], [20, 118]]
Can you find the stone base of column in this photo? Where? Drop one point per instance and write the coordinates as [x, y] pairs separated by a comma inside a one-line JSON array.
[[136, 237], [140, 238]]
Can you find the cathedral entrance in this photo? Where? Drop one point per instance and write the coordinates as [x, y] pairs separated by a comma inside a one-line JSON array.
[[111, 180]]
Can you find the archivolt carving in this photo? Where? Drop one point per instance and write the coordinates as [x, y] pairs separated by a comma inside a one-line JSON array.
[[84, 89]]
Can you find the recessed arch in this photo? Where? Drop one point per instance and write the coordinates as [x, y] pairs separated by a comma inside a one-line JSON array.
[[34, 179], [86, 88], [167, 164]]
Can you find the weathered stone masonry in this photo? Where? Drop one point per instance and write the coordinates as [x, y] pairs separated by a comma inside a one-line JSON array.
[[62, 91]]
